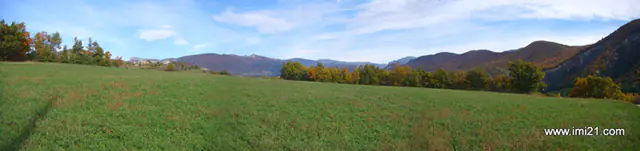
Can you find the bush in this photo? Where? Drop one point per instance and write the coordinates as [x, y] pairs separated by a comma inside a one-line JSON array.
[[596, 87], [636, 100], [170, 67], [628, 97], [225, 72]]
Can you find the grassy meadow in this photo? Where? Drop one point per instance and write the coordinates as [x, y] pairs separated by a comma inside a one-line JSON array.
[[48, 106]]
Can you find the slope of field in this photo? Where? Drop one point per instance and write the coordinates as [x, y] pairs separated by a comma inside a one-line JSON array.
[[61, 106]]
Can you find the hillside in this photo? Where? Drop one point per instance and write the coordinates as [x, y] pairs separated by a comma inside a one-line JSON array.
[[616, 56], [401, 61], [49, 106], [542, 53]]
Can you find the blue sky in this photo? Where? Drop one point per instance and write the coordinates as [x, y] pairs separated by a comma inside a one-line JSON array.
[[350, 30]]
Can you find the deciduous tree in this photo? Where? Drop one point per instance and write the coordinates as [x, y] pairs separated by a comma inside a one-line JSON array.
[[477, 79], [15, 41], [525, 77], [596, 87]]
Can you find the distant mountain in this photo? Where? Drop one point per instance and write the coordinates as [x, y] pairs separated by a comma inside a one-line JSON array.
[[544, 53], [351, 66], [252, 65], [305, 62], [136, 59], [616, 56], [401, 61]]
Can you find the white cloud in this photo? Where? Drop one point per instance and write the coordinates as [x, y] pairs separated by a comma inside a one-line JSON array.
[[200, 46], [381, 15], [180, 41], [155, 34], [263, 22]]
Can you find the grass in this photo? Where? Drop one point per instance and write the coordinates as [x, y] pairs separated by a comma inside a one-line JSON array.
[[77, 107]]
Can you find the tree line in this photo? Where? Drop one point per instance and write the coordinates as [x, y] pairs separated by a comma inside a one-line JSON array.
[[521, 77], [16, 44]]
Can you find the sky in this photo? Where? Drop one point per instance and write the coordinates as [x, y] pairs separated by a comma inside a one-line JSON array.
[[348, 30]]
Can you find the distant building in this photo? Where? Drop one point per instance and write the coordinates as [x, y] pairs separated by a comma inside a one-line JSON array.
[[166, 62]]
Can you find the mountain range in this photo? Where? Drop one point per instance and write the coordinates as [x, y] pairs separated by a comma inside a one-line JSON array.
[[617, 56], [253, 65]]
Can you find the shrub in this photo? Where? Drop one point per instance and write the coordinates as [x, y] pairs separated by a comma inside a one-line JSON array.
[[225, 72], [628, 97], [170, 67], [595, 87], [636, 100]]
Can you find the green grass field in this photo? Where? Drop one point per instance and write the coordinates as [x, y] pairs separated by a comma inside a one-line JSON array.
[[77, 107]]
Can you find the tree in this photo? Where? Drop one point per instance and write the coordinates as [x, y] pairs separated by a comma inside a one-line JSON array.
[[383, 76], [97, 52], [77, 47], [440, 79], [312, 74], [42, 47], [355, 77], [170, 67], [293, 71], [525, 77], [499, 83], [415, 79], [369, 75], [346, 76], [427, 80], [458, 80], [477, 79], [106, 59], [399, 75], [336, 75], [596, 87], [322, 74], [15, 41]]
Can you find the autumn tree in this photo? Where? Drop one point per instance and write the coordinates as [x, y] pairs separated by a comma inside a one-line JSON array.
[[312, 74], [399, 75], [322, 73], [477, 79], [595, 87], [458, 80], [46, 46], [106, 59], [15, 41], [346, 77], [499, 83], [293, 71], [355, 77], [336, 75], [525, 77]]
